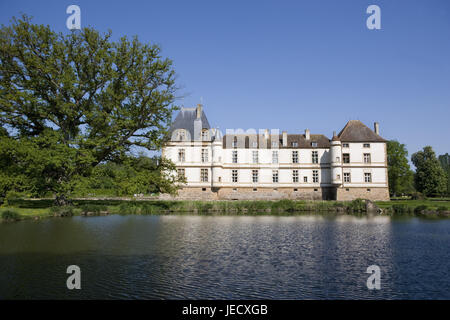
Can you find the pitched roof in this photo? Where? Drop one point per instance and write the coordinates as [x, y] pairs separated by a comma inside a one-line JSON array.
[[356, 131], [246, 141], [185, 120]]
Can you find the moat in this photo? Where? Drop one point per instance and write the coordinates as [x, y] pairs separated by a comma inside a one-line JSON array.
[[225, 257]]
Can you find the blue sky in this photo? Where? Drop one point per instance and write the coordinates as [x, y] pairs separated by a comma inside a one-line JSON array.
[[292, 65]]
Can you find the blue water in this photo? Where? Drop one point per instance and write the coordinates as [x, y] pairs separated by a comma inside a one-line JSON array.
[[225, 257]]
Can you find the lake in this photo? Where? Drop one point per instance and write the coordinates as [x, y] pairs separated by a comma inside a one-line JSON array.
[[225, 257]]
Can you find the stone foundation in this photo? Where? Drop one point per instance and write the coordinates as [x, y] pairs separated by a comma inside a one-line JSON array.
[[250, 194], [375, 194]]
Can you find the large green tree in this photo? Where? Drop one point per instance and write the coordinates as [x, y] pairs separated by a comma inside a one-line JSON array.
[[444, 160], [73, 101], [401, 178], [430, 178]]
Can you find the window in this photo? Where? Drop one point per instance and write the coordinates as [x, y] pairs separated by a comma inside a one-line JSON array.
[[274, 156], [294, 156], [305, 179], [275, 176], [314, 144], [346, 157], [254, 189], [345, 145], [366, 145], [234, 175], [181, 173], [367, 177], [294, 144], [182, 135], [274, 144], [255, 176], [346, 176], [295, 176], [234, 156], [204, 175], [204, 155], [234, 142], [315, 157], [338, 159], [255, 156], [255, 144], [338, 177], [366, 157], [205, 134], [315, 176], [295, 190], [181, 155]]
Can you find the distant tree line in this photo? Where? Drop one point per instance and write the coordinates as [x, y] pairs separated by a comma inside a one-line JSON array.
[[432, 175]]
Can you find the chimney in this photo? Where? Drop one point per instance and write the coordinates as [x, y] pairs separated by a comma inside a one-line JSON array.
[[376, 128], [284, 139], [199, 111], [307, 134], [266, 134]]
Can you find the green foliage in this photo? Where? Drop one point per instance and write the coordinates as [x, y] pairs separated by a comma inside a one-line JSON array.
[[401, 178], [430, 178], [417, 196], [442, 208], [74, 101], [10, 215], [93, 208], [401, 208], [62, 211], [420, 208], [357, 205], [444, 160]]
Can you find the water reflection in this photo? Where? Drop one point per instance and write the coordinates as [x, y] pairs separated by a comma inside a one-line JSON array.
[[225, 257]]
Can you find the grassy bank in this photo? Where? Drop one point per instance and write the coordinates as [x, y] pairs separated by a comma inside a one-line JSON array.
[[23, 209]]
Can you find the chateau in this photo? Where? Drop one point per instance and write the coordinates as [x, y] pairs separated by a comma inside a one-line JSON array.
[[273, 165]]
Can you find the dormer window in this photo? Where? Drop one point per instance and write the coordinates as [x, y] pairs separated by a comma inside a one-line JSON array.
[[205, 135], [274, 144], [314, 144], [255, 144], [294, 144], [182, 135], [234, 144]]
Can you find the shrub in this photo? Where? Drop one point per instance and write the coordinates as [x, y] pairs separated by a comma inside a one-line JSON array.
[[10, 215], [94, 208], [400, 208], [128, 208], [442, 208], [419, 209], [357, 205], [62, 211], [417, 196]]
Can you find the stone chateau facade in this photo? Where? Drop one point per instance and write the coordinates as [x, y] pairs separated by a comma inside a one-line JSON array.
[[272, 165]]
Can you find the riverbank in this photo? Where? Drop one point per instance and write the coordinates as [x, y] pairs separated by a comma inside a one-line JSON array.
[[23, 209]]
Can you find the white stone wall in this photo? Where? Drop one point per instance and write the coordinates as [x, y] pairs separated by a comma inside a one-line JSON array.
[[222, 165]]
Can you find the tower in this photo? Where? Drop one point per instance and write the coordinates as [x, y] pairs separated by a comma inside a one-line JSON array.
[[336, 160]]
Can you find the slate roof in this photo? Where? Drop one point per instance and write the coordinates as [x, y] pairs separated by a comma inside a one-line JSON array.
[[246, 141], [185, 120], [356, 131]]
